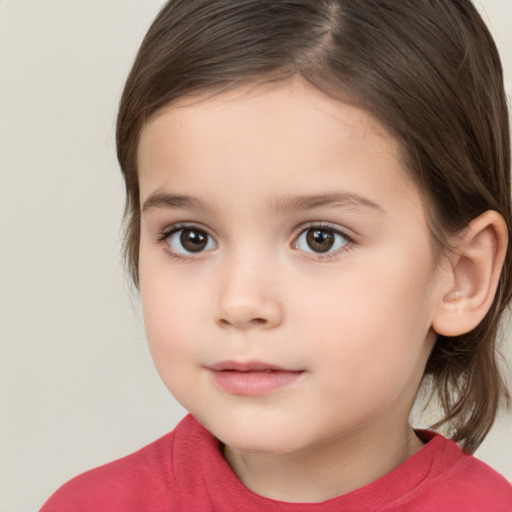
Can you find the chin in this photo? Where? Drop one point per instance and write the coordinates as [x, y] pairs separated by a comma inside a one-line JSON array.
[[259, 446], [261, 437]]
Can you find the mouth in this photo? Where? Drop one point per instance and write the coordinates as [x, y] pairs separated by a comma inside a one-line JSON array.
[[252, 378]]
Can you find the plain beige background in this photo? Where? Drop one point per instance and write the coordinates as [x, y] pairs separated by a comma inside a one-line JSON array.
[[77, 384]]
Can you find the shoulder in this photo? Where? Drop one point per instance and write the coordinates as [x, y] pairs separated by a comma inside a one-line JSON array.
[[480, 483], [461, 482], [139, 481]]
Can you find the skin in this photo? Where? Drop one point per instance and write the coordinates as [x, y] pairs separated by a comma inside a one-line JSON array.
[[357, 320]]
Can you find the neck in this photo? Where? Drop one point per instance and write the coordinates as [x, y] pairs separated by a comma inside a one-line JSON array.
[[336, 467]]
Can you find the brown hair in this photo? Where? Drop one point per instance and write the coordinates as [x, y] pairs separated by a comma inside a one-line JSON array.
[[428, 70]]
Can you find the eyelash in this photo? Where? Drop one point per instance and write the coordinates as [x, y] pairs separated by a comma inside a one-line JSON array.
[[164, 235], [163, 238], [320, 226]]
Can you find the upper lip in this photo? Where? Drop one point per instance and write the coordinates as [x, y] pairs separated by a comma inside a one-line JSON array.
[[249, 366]]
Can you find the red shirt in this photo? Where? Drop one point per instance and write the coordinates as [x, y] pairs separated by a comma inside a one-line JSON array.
[[185, 471]]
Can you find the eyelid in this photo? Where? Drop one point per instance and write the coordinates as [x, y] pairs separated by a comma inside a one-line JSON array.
[[326, 226], [166, 233]]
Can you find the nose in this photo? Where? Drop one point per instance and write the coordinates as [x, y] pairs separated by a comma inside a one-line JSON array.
[[248, 296]]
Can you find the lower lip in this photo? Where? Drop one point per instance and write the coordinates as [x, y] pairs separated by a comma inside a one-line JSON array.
[[253, 383]]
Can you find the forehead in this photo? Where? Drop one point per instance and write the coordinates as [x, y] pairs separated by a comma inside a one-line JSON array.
[[265, 102], [286, 134]]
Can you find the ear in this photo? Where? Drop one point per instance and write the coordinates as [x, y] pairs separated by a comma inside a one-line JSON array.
[[474, 272]]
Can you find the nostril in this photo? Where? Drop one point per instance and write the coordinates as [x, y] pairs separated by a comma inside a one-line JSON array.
[[247, 315], [253, 321]]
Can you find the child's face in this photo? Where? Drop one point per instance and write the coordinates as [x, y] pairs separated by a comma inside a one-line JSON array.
[[281, 232]]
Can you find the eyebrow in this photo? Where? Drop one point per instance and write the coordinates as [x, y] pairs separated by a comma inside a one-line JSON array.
[[282, 204], [337, 199], [173, 202]]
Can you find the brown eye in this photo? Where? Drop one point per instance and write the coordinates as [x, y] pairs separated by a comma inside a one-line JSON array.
[[320, 240], [190, 240], [193, 240]]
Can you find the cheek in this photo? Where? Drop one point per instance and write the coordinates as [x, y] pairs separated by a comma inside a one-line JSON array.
[[171, 324], [373, 317], [166, 296]]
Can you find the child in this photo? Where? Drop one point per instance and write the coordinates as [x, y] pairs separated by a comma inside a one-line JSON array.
[[318, 213]]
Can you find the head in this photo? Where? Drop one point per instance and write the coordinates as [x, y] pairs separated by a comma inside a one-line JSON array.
[[428, 72]]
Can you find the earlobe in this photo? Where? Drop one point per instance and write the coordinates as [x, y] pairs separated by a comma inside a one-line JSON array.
[[474, 274]]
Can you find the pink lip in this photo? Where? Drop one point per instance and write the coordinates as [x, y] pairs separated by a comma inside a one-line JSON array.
[[251, 378]]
